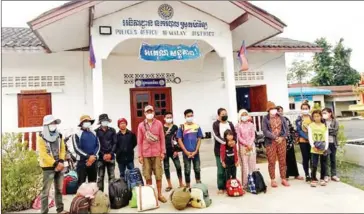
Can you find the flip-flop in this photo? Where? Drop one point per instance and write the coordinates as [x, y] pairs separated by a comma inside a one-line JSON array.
[[162, 199], [168, 189]]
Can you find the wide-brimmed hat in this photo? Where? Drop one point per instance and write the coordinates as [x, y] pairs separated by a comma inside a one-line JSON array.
[[104, 117], [84, 118], [148, 107], [271, 105], [48, 119]]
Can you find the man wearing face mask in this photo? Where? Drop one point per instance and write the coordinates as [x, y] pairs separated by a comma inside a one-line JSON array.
[[275, 130], [52, 153], [87, 147], [106, 159], [152, 149], [219, 127]]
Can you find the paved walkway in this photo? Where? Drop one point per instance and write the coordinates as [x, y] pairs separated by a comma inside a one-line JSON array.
[[300, 197]]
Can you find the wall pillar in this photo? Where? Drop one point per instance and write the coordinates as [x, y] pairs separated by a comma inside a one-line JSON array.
[[97, 92], [230, 87]]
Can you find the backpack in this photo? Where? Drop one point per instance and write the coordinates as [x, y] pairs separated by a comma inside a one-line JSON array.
[[259, 182], [119, 194], [100, 204], [80, 205], [234, 188], [70, 182], [133, 200], [146, 198], [200, 196], [133, 178], [180, 197], [251, 185]]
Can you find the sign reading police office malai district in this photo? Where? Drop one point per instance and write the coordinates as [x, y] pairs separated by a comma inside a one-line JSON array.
[[143, 83], [164, 27]]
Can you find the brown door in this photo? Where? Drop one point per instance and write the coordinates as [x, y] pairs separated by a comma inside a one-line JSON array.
[[31, 110], [258, 98], [159, 98]]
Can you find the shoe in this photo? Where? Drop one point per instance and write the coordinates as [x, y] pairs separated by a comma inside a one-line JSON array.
[[335, 178], [326, 179], [298, 178], [220, 192], [274, 184], [323, 183], [308, 179], [313, 183], [285, 183]]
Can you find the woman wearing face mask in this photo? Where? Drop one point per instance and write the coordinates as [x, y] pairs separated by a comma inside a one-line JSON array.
[[302, 123], [246, 135], [52, 153], [219, 127], [333, 126], [275, 131]]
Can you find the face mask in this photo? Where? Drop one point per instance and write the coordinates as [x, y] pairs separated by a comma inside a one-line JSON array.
[[189, 119], [273, 111], [244, 118], [52, 128], [149, 116], [104, 123], [224, 118], [305, 112], [86, 125], [169, 120], [325, 116]]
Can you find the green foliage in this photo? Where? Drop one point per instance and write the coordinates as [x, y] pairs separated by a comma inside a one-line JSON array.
[[299, 71], [341, 138], [332, 65], [21, 174]]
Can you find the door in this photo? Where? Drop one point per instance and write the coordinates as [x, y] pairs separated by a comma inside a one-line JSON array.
[[31, 110], [258, 98], [159, 98], [242, 98]]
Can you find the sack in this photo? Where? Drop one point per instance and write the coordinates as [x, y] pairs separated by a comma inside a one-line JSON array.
[[100, 204], [200, 196], [80, 205], [119, 194], [251, 185], [88, 190], [37, 204], [149, 135], [259, 182], [181, 197], [234, 188], [146, 198], [134, 178], [133, 200]]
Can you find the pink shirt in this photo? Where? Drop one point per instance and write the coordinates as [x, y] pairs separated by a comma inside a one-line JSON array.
[[148, 148], [246, 133]]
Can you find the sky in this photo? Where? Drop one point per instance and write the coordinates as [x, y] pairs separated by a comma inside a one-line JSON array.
[[305, 20]]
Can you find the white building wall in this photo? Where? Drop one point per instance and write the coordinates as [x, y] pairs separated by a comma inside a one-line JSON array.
[[320, 98]]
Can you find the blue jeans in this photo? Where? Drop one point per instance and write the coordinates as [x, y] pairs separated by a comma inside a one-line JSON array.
[[124, 166]]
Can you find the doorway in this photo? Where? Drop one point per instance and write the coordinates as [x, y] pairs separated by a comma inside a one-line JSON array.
[[252, 98], [159, 98]]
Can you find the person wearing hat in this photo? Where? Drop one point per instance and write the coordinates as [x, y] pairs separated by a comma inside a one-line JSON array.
[[52, 153], [106, 158], [275, 130], [152, 149], [125, 144], [87, 147]]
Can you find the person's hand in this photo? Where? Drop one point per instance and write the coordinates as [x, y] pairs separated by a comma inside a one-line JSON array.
[[141, 160], [194, 153], [188, 154], [250, 148], [276, 139], [105, 157], [175, 154], [59, 167], [223, 165], [92, 159], [162, 156]]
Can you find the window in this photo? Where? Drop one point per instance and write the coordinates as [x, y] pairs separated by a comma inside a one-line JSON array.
[[33, 81], [292, 106]]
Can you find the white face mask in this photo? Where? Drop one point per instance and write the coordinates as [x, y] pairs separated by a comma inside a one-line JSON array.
[[169, 120], [305, 112], [273, 112], [104, 123], [149, 116], [52, 128], [189, 119], [244, 118], [86, 125], [325, 116]]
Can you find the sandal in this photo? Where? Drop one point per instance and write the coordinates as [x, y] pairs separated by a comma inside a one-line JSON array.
[[162, 199], [168, 189], [274, 184]]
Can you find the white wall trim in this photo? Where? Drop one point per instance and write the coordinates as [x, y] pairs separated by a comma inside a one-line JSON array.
[[12, 91]]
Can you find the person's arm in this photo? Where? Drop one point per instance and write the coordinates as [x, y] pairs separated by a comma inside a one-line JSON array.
[[199, 137], [240, 136], [140, 141], [310, 139], [77, 147], [62, 153], [115, 144], [285, 128], [265, 129], [232, 127], [43, 155], [162, 139], [252, 134], [333, 131], [236, 158], [180, 142], [301, 133], [326, 139], [222, 153], [134, 140], [97, 149], [216, 133]]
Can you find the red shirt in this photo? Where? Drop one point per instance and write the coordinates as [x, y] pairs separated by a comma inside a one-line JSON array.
[[148, 148], [223, 152]]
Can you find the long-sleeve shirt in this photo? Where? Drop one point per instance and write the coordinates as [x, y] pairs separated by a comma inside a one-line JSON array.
[[218, 129], [318, 132], [107, 141], [86, 144], [147, 148], [228, 155], [246, 133]]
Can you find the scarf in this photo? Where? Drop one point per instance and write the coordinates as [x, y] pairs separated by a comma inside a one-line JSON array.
[[48, 136]]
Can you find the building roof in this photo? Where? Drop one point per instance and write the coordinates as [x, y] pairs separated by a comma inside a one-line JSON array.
[[20, 37], [308, 91], [337, 90]]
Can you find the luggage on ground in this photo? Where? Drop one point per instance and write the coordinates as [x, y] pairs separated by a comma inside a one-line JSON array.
[[146, 198], [180, 197], [200, 196], [259, 182], [37, 204], [119, 194], [251, 185], [133, 200], [100, 204], [234, 188], [70, 183], [133, 178], [80, 205], [88, 190]]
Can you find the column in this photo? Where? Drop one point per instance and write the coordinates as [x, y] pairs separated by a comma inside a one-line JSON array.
[[97, 86], [230, 86]]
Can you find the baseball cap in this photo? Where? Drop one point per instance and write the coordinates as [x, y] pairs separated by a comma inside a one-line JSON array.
[[148, 107]]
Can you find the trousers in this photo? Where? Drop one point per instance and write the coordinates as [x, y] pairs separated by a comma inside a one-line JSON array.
[[50, 176], [275, 150]]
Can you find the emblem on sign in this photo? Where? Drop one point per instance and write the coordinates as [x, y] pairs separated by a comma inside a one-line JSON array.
[[138, 83], [165, 11]]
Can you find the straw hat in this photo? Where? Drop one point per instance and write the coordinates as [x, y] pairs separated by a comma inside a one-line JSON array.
[[84, 118], [271, 105]]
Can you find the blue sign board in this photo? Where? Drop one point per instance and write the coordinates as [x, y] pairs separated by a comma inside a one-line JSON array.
[[299, 98], [143, 83], [166, 52]]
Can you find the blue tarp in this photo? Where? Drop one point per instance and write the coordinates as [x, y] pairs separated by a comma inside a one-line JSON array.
[[292, 92]]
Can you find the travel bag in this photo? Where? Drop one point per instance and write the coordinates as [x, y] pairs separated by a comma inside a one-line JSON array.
[[80, 205], [119, 194], [234, 188], [100, 204], [133, 178], [146, 198], [180, 197], [259, 182], [200, 196]]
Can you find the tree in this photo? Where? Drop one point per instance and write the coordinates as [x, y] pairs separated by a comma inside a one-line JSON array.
[[299, 71], [332, 65]]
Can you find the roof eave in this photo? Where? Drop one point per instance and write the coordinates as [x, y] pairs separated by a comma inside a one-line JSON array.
[[285, 49]]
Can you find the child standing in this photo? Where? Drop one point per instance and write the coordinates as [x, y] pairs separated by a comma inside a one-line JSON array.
[[318, 136], [229, 155]]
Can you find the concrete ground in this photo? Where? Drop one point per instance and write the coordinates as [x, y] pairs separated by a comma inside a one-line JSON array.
[[298, 198]]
